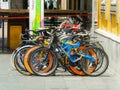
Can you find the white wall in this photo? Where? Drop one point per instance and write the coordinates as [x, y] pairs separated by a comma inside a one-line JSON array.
[[111, 45]]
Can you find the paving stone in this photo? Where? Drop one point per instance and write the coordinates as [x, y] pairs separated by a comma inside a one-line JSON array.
[[10, 79]]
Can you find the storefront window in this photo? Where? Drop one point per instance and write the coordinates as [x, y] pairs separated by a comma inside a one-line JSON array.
[[5, 0], [113, 2], [113, 6], [103, 2]]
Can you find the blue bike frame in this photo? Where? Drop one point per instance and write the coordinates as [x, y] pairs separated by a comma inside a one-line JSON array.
[[67, 48]]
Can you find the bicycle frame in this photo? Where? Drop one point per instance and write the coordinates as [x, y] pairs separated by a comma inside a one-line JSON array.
[[66, 47]]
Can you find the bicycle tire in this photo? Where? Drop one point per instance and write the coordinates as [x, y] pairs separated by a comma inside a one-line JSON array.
[[26, 57], [50, 62], [104, 59], [18, 63], [13, 56]]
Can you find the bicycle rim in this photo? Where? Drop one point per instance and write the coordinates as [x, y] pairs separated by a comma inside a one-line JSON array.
[[43, 62]]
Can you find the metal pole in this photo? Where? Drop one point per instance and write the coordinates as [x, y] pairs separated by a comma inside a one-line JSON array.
[[3, 36], [93, 17]]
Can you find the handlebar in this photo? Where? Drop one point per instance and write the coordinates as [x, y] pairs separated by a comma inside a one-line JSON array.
[[37, 31]]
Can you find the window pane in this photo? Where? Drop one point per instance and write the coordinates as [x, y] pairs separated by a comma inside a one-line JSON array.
[[113, 2], [5, 0], [103, 2]]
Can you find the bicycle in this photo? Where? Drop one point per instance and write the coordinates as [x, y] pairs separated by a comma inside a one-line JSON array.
[[66, 48], [18, 54]]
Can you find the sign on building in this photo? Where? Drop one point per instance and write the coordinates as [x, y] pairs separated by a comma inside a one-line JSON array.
[[36, 14]]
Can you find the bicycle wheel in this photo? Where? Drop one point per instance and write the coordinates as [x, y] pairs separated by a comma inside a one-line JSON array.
[[77, 68], [103, 61], [26, 58], [13, 56], [74, 68], [18, 60], [43, 62], [98, 45]]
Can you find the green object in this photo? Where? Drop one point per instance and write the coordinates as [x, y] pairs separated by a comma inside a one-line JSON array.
[[36, 23]]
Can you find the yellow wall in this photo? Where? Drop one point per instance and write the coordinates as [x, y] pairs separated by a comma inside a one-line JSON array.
[[118, 17], [108, 16], [99, 13], [119, 29], [113, 24], [108, 21], [103, 21]]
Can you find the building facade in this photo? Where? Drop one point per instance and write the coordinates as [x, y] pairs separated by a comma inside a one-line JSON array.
[[108, 29], [14, 4], [4, 4]]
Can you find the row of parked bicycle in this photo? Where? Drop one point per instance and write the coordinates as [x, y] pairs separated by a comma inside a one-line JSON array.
[[68, 47]]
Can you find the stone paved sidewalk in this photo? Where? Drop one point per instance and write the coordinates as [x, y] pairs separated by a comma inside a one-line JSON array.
[[10, 79]]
